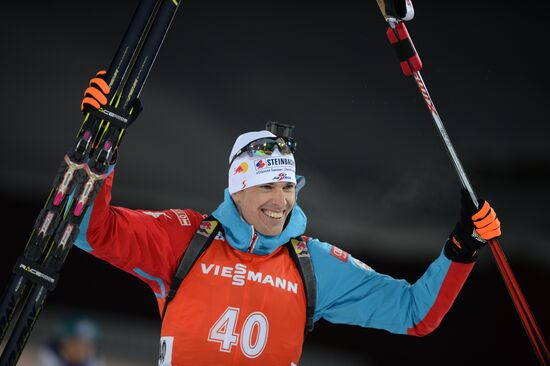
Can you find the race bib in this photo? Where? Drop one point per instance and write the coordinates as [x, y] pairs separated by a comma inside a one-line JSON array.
[[165, 352]]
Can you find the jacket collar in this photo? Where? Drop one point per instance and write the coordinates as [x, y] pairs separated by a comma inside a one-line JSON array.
[[241, 235]]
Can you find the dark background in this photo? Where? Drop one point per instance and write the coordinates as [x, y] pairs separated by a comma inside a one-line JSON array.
[[380, 184]]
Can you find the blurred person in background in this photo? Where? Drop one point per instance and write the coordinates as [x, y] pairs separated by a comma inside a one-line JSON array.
[[74, 343]]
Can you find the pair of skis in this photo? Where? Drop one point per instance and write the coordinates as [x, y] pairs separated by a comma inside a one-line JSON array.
[[411, 65], [81, 175]]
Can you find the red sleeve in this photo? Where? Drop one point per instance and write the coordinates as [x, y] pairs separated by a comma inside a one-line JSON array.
[[146, 244]]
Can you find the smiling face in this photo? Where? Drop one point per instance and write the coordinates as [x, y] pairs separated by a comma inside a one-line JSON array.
[[266, 206]]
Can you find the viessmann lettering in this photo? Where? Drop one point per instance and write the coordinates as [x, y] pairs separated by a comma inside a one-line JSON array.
[[240, 274]]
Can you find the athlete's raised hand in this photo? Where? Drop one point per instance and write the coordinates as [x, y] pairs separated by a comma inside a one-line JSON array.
[[476, 226]]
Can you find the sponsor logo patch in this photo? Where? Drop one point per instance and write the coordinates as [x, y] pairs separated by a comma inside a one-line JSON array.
[[240, 275], [156, 214], [259, 164], [339, 253], [274, 165], [182, 217], [281, 176], [279, 161], [242, 168], [207, 227], [362, 265], [300, 247]]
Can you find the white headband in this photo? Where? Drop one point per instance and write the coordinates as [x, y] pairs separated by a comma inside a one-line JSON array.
[[248, 171]]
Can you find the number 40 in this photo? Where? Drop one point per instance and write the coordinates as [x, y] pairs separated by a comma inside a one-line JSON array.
[[223, 332]]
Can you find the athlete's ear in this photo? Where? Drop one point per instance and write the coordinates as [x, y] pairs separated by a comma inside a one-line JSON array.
[[237, 197]]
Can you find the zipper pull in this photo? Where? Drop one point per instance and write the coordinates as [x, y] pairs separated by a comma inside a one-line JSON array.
[[253, 242]]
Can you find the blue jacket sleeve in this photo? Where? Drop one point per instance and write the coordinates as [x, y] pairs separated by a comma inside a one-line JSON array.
[[350, 292]]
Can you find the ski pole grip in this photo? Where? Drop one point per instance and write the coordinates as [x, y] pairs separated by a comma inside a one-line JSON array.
[[404, 48]]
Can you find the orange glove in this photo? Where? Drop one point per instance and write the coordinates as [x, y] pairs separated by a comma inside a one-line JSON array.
[[476, 226], [486, 223], [95, 96]]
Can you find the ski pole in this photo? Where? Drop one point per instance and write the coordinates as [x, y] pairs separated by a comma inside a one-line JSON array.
[[411, 65], [518, 299]]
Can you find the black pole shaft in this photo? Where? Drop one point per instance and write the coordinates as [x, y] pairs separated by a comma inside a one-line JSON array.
[[519, 301], [533, 332]]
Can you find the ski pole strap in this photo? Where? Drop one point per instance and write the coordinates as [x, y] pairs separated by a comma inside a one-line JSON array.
[[36, 273], [404, 48], [207, 231], [117, 116], [299, 252]]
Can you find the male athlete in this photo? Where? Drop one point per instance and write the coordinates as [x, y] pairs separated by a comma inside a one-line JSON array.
[[244, 300], [241, 286]]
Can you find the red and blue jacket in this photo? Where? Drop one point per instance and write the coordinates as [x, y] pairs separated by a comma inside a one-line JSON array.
[[235, 303]]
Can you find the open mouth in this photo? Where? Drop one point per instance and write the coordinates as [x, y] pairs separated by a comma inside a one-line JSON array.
[[276, 215]]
